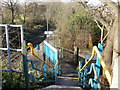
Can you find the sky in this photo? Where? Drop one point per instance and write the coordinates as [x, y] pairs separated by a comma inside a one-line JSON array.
[[91, 1], [94, 2]]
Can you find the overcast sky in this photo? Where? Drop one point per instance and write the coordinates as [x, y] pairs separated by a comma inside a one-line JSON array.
[[92, 1]]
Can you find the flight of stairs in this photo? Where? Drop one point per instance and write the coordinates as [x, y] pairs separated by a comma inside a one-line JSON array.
[[68, 80]]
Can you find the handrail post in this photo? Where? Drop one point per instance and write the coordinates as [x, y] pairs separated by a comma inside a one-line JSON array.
[[1, 50], [53, 73], [98, 65], [25, 64], [81, 73], [85, 77], [100, 48], [38, 49], [76, 53], [8, 52], [62, 52], [45, 67]]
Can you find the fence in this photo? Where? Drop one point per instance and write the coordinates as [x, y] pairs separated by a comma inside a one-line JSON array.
[[67, 54], [11, 53]]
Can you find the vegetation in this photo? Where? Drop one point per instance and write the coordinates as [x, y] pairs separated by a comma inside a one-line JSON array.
[[74, 22]]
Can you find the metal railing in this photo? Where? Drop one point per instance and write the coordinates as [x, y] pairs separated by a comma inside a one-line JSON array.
[[67, 54], [9, 49], [32, 51], [54, 68], [83, 69]]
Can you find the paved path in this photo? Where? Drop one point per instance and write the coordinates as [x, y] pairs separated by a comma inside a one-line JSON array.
[[69, 75], [68, 69]]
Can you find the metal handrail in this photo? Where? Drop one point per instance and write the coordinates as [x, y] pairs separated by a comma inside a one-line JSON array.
[[32, 63], [32, 51], [65, 49], [107, 73], [12, 70]]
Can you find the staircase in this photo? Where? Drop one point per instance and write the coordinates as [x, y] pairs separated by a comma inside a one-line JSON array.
[[68, 80], [69, 75]]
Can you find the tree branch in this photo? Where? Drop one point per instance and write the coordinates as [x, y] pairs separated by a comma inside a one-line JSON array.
[[105, 36], [111, 4]]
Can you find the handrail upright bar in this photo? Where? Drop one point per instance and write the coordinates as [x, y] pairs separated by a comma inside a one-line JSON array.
[[107, 73], [22, 35], [8, 52], [25, 64]]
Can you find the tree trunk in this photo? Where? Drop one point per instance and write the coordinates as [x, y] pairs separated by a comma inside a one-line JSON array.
[[90, 42], [0, 32], [116, 54], [109, 49], [24, 19], [13, 16], [0, 50]]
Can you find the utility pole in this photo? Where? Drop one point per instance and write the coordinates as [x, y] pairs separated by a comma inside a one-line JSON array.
[[0, 50], [47, 17]]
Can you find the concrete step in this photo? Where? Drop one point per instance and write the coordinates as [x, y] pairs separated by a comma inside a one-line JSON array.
[[67, 77], [61, 87], [67, 81]]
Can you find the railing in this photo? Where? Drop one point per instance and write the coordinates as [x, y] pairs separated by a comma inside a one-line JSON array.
[[67, 54], [95, 68], [12, 53], [64, 50], [32, 51], [54, 68], [52, 54]]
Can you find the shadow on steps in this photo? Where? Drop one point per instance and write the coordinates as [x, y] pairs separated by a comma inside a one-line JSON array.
[[61, 87], [67, 81]]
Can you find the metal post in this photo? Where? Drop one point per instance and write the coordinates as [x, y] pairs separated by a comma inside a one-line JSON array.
[[100, 48], [85, 77], [25, 64], [81, 73], [45, 67], [0, 50], [47, 21], [76, 56], [47, 18], [38, 49], [0, 30], [22, 35], [55, 71], [62, 53], [8, 51], [98, 64]]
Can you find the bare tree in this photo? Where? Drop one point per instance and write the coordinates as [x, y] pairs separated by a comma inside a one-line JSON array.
[[12, 6], [26, 10]]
